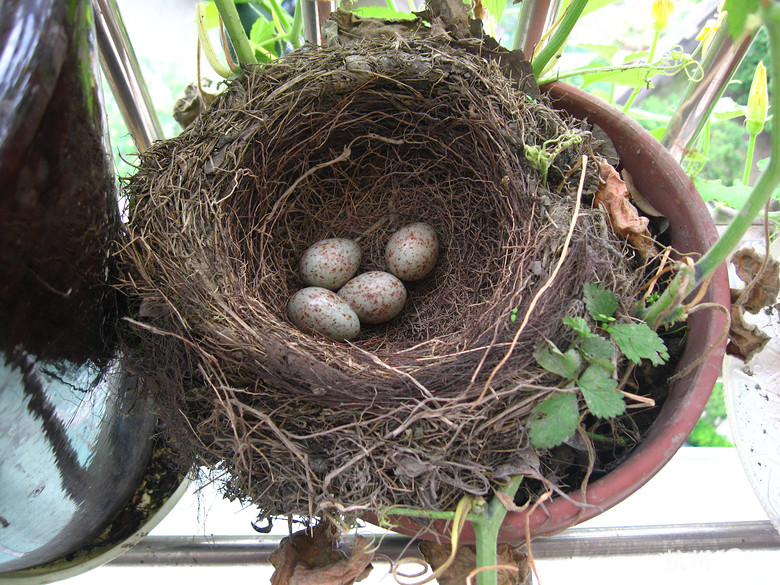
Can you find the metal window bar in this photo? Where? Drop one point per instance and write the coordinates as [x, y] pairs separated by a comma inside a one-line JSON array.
[[574, 543]]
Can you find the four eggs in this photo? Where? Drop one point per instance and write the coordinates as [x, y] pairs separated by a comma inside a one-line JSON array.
[[368, 298]]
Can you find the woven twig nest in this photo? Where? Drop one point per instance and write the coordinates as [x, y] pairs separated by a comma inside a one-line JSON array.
[[357, 141]]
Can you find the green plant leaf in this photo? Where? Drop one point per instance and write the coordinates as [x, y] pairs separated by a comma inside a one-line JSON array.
[[600, 302], [596, 348], [262, 30], [579, 325], [599, 390], [762, 164], [739, 10], [714, 190], [595, 5], [556, 420], [658, 133], [636, 56], [644, 115], [637, 342], [383, 12], [633, 77], [212, 15], [495, 7], [727, 109], [605, 51], [567, 365]]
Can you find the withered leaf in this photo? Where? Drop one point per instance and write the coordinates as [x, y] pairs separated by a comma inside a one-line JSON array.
[[466, 561], [764, 291], [312, 558], [745, 339], [613, 196]]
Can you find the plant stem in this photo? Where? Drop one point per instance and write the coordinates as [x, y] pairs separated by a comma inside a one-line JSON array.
[[235, 30], [296, 28], [650, 57], [695, 166], [559, 37], [749, 158], [420, 513], [668, 306], [205, 43], [661, 68], [766, 183], [486, 528], [667, 309]]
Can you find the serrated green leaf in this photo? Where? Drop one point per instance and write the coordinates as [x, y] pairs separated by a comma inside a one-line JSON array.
[[579, 325], [600, 302], [739, 10], [599, 390], [567, 365], [556, 419], [637, 342], [596, 348]]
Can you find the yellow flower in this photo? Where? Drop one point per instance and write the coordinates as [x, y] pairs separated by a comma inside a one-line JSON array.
[[661, 11], [758, 101], [708, 33]]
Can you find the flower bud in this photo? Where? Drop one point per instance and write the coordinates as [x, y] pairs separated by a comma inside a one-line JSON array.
[[758, 101], [660, 13]]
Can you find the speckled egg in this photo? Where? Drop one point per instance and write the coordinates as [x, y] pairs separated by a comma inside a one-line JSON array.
[[412, 251], [330, 263], [375, 296], [323, 310]]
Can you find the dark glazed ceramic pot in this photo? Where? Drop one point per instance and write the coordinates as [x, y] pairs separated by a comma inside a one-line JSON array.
[[664, 183], [75, 432]]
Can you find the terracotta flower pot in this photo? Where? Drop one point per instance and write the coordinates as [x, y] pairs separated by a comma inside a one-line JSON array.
[[663, 182]]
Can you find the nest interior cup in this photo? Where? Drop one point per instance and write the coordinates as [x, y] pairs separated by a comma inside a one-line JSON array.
[[356, 142]]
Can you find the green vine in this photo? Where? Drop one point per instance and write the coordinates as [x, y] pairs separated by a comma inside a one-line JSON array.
[[542, 157], [486, 520]]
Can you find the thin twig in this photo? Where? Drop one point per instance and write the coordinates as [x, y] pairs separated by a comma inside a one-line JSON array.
[[543, 289]]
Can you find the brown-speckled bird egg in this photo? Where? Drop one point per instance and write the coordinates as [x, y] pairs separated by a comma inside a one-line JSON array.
[[323, 310], [330, 263], [412, 251], [375, 296]]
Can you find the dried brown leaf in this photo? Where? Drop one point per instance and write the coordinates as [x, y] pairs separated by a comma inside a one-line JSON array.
[[614, 197], [454, 14], [466, 561], [312, 558], [745, 339], [766, 287]]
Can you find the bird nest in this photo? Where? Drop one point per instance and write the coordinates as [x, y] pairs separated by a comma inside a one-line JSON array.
[[357, 141]]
